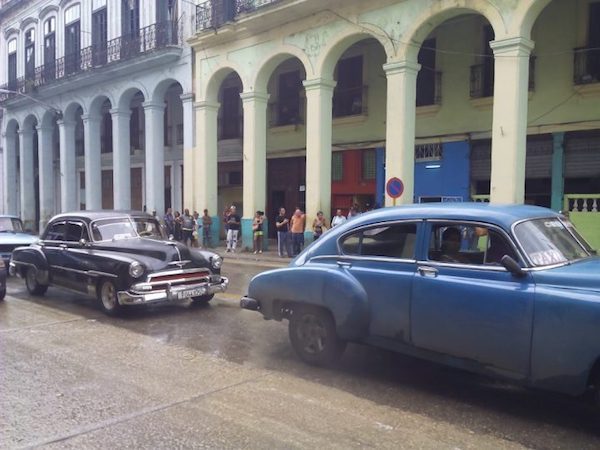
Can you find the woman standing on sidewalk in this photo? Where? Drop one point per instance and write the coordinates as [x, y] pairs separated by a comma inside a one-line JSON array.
[[257, 230]]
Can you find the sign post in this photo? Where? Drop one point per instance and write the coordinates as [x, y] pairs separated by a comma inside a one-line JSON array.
[[394, 188]]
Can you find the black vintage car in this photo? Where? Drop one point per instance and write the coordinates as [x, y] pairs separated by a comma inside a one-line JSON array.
[[121, 258]]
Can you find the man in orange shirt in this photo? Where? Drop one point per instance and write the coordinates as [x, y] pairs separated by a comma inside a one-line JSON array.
[[297, 230]]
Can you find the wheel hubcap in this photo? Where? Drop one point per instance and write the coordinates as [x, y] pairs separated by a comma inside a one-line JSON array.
[[109, 298], [312, 333]]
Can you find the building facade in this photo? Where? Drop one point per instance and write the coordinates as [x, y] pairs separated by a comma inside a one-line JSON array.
[[269, 103], [97, 99], [301, 103]]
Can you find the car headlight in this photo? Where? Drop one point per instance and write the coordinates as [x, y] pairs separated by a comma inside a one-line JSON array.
[[136, 270], [216, 262]]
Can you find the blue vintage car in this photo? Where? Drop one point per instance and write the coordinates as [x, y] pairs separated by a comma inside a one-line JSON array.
[[511, 291], [12, 236]]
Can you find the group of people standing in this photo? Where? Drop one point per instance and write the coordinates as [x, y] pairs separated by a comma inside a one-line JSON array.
[[195, 230], [191, 229]]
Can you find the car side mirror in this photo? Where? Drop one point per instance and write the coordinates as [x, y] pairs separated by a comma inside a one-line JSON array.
[[512, 266], [83, 242]]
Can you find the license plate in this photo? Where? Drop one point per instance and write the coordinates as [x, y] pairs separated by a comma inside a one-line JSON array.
[[190, 293]]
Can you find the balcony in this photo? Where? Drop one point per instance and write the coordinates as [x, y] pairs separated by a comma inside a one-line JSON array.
[[124, 48], [212, 14], [586, 65], [482, 79], [350, 101]]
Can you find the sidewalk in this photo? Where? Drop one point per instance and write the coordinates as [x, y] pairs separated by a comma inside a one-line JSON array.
[[269, 257]]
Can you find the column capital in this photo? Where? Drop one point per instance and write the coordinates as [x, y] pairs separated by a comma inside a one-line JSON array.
[[187, 97], [25, 131], [514, 46], [116, 112], [206, 105], [153, 105], [259, 97], [325, 84], [91, 118], [396, 67], [65, 123]]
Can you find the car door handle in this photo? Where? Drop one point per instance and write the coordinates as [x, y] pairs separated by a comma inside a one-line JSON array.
[[425, 271], [344, 264], [63, 246]]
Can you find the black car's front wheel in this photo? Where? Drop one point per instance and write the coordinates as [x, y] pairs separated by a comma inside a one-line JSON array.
[[202, 299], [313, 335], [107, 297], [33, 286]]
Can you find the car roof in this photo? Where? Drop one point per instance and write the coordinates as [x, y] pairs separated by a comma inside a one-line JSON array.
[[9, 216], [101, 214], [502, 215]]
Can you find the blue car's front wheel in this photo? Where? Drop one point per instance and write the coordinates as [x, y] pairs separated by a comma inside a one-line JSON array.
[[313, 335]]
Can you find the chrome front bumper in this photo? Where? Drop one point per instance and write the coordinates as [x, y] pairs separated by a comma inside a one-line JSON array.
[[171, 293]]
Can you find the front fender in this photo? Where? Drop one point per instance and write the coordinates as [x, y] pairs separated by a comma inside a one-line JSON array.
[[323, 286]]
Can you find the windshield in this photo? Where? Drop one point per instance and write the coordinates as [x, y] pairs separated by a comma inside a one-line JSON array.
[[548, 241], [125, 228], [10, 224]]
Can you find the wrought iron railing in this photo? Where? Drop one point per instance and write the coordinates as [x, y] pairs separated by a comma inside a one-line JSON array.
[[350, 101], [286, 113], [482, 79], [586, 65], [151, 38], [215, 13], [430, 95]]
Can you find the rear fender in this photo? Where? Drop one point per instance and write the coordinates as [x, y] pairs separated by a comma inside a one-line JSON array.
[[25, 257], [322, 286]]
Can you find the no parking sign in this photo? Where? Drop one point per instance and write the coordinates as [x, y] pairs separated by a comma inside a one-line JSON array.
[[394, 188]]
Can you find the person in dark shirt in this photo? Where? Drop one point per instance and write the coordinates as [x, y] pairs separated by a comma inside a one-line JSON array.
[[282, 225], [233, 229]]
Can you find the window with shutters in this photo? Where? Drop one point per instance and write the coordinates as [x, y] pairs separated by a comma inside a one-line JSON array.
[[337, 166]]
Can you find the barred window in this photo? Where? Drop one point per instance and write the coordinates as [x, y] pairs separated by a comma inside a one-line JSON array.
[[337, 166], [428, 152], [369, 165]]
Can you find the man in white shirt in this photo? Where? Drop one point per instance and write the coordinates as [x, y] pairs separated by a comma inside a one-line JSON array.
[[338, 219]]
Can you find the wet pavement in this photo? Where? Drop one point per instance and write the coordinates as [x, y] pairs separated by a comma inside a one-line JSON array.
[[179, 376]]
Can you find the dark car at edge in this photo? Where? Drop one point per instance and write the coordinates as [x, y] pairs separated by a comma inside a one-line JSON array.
[[120, 258]]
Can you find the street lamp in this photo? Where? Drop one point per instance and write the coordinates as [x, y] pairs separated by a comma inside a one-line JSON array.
[[49, 107]]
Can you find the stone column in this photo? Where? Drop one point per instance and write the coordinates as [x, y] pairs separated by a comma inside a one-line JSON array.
[[205, 164], [188, 157], [254, 160], [319, 100], [10, 172], [68, 174], [154, 112], [26, 176], [93, 161], [400, 126], [121, 158], [46, 171], [509, 126]]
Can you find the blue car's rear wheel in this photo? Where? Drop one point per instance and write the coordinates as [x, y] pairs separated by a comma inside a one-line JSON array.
[[313, 335]]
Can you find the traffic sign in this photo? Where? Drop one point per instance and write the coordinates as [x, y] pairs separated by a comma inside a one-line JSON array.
[[394, 187]]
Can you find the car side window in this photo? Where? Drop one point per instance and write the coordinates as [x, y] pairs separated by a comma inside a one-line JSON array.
[[468, 244], [391, 241], [56, 232], [74, 232]]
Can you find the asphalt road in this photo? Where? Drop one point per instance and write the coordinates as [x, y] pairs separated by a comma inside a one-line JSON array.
[[176, 376]]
